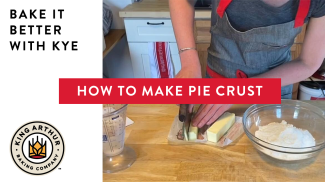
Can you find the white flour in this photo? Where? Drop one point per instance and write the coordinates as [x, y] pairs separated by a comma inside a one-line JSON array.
[[286, 135]]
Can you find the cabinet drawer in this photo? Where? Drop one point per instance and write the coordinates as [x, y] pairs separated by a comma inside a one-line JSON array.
[[149, 30]]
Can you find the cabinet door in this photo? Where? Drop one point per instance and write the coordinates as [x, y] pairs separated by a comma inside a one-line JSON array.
[[175, 57], [141, 62], [202, 38], [203, 56], [202, 31]]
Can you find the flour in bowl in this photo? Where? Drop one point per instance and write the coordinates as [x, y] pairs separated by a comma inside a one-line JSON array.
[[286, 135]]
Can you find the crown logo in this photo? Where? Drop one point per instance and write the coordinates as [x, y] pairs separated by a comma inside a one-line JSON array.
[[37, 150]]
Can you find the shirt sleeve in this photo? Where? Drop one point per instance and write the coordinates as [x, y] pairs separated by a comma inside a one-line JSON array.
[[319, 10]]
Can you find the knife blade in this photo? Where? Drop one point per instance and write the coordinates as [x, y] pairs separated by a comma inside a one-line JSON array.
[[185, 117]]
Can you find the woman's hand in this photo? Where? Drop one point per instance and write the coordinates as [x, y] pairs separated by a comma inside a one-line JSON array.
[[191, 67], [207, 114], [189, 72]]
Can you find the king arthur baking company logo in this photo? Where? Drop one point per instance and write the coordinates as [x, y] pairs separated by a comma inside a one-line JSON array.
[[37, 148]]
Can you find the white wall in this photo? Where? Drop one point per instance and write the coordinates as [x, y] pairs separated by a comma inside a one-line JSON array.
[[117, 64], [116, 6]]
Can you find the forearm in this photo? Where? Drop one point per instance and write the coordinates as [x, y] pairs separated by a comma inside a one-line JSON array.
[[291, 72], [182, 15], [310, 59]]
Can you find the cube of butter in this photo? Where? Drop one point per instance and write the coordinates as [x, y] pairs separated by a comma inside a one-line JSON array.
[[192, 133], [220, 127]]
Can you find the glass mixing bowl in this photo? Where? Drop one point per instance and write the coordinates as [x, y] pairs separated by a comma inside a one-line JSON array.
[[297, 113]]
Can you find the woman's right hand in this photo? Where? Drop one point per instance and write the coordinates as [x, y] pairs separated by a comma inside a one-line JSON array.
[[189, 72], [191, 67]]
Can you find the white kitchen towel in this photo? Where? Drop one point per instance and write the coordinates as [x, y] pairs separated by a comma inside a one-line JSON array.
[[160, 60]]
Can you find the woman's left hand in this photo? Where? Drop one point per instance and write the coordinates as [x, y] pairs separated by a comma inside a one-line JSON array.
[[207, 114]]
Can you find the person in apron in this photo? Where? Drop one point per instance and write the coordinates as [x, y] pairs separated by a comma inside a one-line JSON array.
[[245, 54]]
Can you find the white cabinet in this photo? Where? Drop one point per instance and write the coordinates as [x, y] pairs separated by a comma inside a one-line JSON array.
[[141, 31], [140, 59], [149, 30]]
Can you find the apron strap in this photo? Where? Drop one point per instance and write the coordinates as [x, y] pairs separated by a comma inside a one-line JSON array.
[[241, 74], [213, 74], [223, 5], [304, 6]]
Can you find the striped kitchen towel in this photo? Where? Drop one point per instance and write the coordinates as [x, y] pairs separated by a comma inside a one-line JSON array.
[[160, 60]]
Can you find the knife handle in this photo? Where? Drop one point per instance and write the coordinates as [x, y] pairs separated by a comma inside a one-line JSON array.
[[182, 112]]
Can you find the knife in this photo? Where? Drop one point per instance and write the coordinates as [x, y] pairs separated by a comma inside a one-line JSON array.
[[185, 116], [182, 112]]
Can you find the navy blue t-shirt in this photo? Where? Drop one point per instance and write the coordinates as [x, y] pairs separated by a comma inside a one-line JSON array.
[[247, 14]]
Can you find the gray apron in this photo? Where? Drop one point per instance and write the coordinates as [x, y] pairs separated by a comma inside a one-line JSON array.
[[254, 52]]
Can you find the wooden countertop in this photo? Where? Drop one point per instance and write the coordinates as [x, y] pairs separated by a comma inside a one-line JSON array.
[[159, 161], [155, 9], [112, 38]]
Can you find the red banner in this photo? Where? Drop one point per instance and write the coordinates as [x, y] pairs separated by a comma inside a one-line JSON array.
[[170, 91]]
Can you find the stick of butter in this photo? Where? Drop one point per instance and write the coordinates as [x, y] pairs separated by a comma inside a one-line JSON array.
[[192, 133], [220, 127]]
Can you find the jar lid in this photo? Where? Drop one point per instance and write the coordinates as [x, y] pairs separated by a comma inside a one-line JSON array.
[[314, 85]]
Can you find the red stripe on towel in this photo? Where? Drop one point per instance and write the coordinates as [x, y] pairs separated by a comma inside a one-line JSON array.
[[162, 59]]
